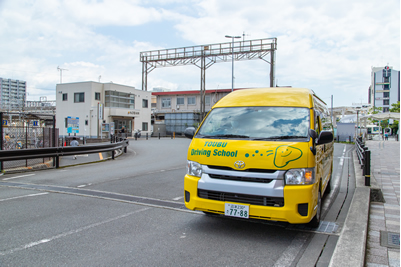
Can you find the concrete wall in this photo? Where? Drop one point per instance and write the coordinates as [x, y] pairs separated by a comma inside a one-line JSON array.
[[344, 131]]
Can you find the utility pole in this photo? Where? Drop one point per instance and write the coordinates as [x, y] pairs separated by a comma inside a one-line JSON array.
[[61, 73]]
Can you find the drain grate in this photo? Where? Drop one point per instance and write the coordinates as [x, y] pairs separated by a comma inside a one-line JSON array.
[[324, 227], [389, 239]]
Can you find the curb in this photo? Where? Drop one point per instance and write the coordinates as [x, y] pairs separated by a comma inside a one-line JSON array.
[[351, 245]]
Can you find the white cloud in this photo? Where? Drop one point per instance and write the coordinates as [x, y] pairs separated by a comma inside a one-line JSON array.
[[328, 46]]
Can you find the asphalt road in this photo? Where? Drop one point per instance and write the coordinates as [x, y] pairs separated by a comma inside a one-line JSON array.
[[130, 212]]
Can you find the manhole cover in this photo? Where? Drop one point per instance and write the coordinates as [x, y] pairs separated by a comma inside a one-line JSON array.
[[389, 239]]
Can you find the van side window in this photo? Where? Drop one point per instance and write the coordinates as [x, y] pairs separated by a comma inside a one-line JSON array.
[[318, 123]]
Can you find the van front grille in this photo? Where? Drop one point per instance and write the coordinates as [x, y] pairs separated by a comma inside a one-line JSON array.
[[240, 178], [241, 198]]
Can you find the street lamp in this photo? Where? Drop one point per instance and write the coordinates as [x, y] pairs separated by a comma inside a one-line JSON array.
[[232, 48], [357, 121]]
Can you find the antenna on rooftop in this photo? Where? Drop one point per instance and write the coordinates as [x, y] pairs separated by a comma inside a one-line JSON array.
[[61, 73]]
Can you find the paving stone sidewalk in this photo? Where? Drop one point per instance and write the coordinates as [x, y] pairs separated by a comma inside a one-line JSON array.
[[384, 218]]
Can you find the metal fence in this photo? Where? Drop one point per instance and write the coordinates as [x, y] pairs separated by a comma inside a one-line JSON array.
[[21, 131], [363, 154]]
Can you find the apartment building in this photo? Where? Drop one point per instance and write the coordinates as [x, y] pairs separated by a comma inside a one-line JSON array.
[[12, 95], [385, 87]]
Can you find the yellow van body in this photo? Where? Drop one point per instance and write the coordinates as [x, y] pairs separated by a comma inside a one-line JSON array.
[[254, 174]]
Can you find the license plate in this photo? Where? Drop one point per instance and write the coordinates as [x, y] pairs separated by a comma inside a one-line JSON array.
[[236, 210]]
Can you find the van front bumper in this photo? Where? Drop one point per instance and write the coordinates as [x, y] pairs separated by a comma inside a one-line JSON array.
[[299, 203]]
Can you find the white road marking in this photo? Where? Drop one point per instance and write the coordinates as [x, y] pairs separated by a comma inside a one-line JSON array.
[[15, 177], [341, 163], [83, 185], [291, 251], [46, 240], [178, 198], [31, 195]]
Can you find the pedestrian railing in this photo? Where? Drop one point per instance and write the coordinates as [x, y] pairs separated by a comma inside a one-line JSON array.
[[363, 154], [57, 152]]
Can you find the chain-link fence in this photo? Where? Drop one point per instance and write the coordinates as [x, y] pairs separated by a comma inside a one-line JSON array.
[[26, 131]]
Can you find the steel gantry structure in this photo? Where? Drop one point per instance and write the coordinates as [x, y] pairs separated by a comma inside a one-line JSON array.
[[204, 56]]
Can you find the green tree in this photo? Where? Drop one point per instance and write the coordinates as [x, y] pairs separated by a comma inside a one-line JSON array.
[[375, 110], [395, 107]]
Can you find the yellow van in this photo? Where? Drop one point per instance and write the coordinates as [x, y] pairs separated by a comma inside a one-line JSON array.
[[261, 154]]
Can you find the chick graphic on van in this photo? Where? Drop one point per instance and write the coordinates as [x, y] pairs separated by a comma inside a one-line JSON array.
[[283, 155]]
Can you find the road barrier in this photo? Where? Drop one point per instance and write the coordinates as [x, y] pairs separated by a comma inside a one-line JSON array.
[[57, 152], [363, 154]]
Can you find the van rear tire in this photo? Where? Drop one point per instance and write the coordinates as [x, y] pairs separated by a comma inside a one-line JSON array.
[[314, 223]]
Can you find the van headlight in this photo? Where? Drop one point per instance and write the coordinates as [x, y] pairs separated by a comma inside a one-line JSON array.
[[300, 176], [194, 168]]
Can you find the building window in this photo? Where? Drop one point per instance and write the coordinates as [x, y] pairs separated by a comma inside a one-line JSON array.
[[207, 100], [386, 102], [86, 122], [79, 97], [144, 103], [191, 100], [97, 96], [386, 94], [180, 101], [65, 97], [144, 126], [386, 109], [166, 102], [115, 99]]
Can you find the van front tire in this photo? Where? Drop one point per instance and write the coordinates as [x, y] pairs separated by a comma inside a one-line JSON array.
[[314, 223], [328, 187]]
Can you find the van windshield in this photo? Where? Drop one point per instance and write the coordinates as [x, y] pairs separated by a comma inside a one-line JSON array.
[[256, 123]]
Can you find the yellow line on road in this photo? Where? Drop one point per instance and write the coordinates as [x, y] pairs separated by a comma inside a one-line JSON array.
[[100, 156]]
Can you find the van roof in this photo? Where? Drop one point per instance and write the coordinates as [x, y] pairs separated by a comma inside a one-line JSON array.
[[275, 96]]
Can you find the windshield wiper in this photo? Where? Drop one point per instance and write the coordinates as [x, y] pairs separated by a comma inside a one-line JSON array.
[[226, 136], [280, 137]]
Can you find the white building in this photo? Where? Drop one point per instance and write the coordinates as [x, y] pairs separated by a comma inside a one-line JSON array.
[[12, 95], [96, 103], [385, 87]]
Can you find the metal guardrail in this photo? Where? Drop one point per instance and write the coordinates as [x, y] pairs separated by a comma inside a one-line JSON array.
[[57, 152], [363, 154]]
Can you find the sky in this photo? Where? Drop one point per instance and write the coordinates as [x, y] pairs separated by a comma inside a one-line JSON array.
[[327, 46]]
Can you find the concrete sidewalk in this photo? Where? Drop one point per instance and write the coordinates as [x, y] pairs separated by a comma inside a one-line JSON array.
[[384, 218]]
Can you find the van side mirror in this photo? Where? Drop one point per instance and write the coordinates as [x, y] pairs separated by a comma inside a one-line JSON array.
[[189, 132], [312, 134], [325, 137]]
